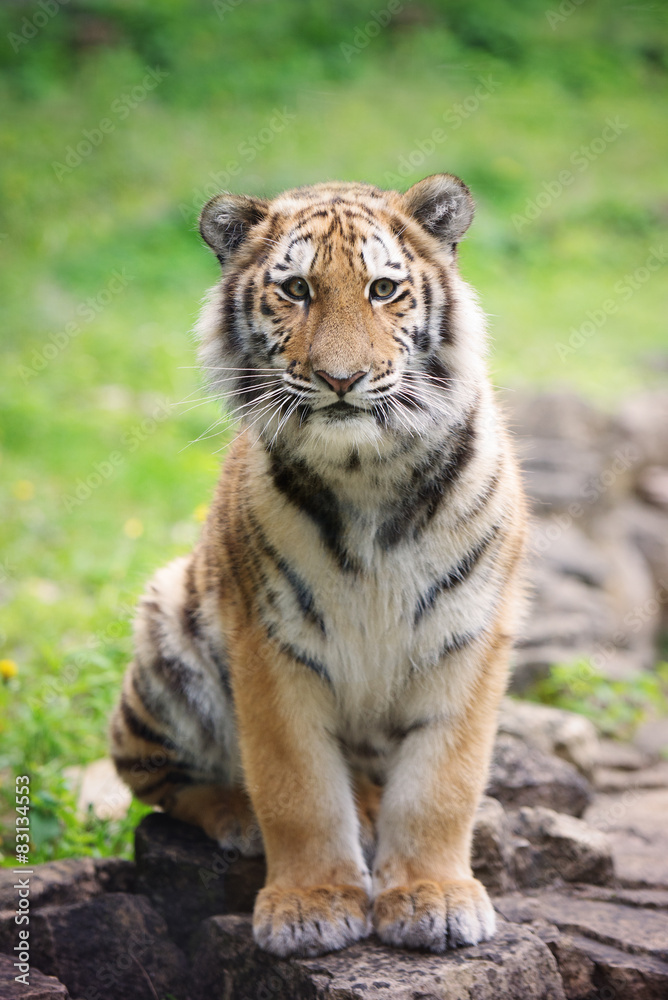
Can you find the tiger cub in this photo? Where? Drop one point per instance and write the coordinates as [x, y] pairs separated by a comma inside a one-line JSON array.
[[320, 678]]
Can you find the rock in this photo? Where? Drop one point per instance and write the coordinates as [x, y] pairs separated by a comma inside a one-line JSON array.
[[567, 613], [519, 778], [590, 969], [552, 730], [514, 964], [651, 737], [622, 756], [99, 788], [652, 486], [559, 545], [40, 987], [647, 528], [113, 947], [69, 880], [636, 822], [651, 899], [492, 856], [559, 847], [627, 928], [571, 453], [643, 418], [608, 779], [188, 877]]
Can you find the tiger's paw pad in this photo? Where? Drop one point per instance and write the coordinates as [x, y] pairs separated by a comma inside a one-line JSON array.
[[435, 915], [310, 921]]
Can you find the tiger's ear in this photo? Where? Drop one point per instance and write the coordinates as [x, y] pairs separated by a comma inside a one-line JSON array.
[[226, 221], [443, 205]]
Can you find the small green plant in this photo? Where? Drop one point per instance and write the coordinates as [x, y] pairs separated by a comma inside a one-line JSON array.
[[617, 707]]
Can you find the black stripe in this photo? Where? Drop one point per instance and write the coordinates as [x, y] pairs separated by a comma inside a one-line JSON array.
[[316, 666], [222, 668], [149, 763], [173, 777], [230, 312], [431, 482], [457, 642], [190, 616], [306, 491], [456, 576], [303, 594], [483, 498], [140, 729]]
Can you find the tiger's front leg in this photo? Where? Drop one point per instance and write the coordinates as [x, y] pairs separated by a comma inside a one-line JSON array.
[[425, 895], [316, 897]]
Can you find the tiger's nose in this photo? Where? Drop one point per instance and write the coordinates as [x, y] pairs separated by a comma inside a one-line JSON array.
[[340, 385]]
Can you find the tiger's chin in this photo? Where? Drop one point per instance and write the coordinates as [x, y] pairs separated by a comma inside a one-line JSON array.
[[334, 434]]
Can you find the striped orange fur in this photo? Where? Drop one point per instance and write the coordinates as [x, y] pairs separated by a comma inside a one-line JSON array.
[[320, 678]]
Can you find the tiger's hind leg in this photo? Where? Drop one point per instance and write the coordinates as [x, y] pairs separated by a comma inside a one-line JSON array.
[[173, 737]]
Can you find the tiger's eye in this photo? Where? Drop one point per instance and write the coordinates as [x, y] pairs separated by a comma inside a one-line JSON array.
[[382, 288], [296, 288]]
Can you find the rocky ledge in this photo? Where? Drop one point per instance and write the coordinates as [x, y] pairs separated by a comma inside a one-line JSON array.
[[574, 855]]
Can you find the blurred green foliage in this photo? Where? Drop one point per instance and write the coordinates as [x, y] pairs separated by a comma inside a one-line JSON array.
[[617, 707], [120, 118]]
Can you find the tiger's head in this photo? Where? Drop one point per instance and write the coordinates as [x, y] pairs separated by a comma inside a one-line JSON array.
[[340, 320]]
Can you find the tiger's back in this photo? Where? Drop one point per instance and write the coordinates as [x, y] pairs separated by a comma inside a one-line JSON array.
[[344, 622]]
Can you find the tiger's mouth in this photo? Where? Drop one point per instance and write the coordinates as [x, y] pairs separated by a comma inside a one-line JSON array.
[[341, 410]]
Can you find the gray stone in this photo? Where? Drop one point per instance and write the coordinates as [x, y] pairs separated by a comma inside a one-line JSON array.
[[565, 445], [520, 778], [492, 856], [622, 756], [40, 987], [624, 927], [561, 547], [642, 419], [187, 876], [112, 947], [652, 486], [636, 822], [651, 737], [650, 899], [566, 613], [559, 847], [647, 528], [514, 964], [69, 880], [590, 969], [552, 730], [608, 779]]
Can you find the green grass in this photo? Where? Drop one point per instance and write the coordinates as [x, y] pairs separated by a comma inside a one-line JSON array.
[[72, 565]]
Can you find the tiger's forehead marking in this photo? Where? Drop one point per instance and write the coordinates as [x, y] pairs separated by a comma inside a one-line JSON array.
[[335, 228]]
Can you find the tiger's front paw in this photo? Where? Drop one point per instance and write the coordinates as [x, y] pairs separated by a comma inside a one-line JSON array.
[[435, 915], [310, 921]]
